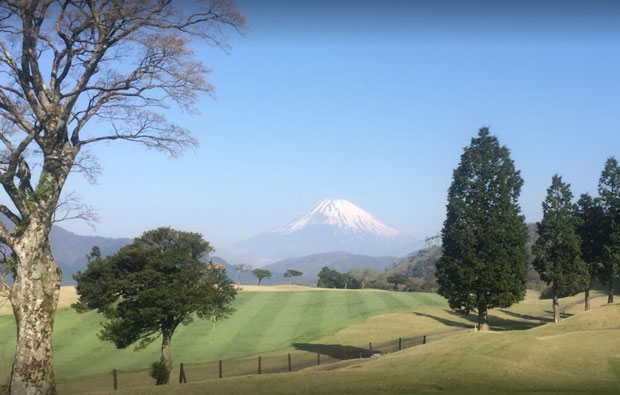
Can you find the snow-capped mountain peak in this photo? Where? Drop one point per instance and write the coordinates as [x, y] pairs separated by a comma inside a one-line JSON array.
[[342, 214]]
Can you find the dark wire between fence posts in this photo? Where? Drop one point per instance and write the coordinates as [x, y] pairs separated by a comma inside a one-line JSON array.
[[183, 378]]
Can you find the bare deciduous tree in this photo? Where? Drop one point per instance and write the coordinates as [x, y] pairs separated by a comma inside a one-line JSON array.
[[241, 268], [63, 65]]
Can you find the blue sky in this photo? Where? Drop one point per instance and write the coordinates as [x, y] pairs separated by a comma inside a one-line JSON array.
[[373, 102]]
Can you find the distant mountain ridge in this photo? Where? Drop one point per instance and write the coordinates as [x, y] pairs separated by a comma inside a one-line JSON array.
[[70, 250], [421, 264], [332, 225]]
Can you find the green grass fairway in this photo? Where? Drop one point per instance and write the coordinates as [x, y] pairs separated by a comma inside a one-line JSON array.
[[263, 322], [580, 355]]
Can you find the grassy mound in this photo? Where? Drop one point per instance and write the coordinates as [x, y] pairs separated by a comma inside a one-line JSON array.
[[579, 355], [263, 322]]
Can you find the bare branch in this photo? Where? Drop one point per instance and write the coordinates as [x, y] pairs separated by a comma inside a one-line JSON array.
[[145, 127], [86, 164], [71, 207], [9, 214]]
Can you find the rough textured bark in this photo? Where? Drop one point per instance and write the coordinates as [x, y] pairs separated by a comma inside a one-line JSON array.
[[34, 298], [610, 295], [166, 359], [483, 318], [587, 299], [556, 309]]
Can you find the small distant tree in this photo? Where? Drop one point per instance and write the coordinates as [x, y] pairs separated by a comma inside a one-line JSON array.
[[150, 287], [484, 261], [557, 251], [397, 279], [363, 276], [240, 269], [290, 273], [329, 278], [261, 274], [609, 192], [350, 282], [591, 231]]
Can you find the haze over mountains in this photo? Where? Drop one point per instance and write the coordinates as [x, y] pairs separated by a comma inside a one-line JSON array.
[[332, 225], [335, 233]]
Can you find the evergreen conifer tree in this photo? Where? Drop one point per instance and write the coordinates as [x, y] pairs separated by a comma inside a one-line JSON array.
[[484, 261], [591, 231], [557, 252], [609, 191]]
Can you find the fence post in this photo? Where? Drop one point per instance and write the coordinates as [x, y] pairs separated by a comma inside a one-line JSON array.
[[259, 363], [424, 340], [182, 378], [400, 343], [289, 362], [318, 358], [115, 380], [370, 347], [220, 368]]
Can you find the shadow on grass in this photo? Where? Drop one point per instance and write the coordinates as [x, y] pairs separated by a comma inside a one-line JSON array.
[[337, 351], [527, 316], [563, 314], [448, 322], [495, 323]]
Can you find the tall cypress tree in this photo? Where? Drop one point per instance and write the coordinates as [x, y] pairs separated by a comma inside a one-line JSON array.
[[591, 231], [484, 261], [557, 252], [609, 191]]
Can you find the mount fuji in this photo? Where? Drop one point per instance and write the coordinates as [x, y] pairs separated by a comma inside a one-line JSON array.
[[332, 225]]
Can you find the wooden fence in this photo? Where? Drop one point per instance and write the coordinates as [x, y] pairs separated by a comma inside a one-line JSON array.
[[306, 355]]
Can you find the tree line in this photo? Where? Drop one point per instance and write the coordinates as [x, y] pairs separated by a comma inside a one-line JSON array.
[[484, 262], [361, 278], [262, 274]]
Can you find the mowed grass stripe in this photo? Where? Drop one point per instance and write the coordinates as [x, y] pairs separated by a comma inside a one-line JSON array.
[[310, 317], [237, 335], [293, 321], [263, 322], [394, 303], [267, 324]]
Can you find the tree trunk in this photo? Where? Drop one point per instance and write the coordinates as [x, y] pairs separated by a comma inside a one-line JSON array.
[[483, 318], [556, 309], [610, 296], [587, 299], [289, 281], [259, 280], [166, 359], [34, 298]]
